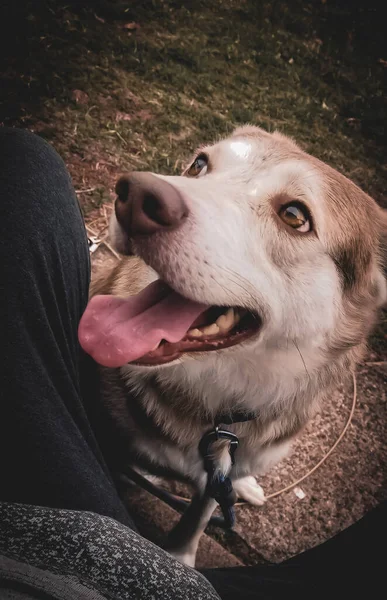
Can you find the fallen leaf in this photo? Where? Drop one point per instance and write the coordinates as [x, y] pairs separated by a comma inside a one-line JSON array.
[[144, 115], [353, 121], [79, 97], [130, 96], [131, 26], [121, 116], [104, 100], [299, 493]]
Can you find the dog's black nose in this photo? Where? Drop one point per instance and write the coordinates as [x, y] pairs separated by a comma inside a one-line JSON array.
[[145, 204]]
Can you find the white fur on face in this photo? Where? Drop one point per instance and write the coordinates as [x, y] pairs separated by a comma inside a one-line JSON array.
[[240, 148], [232, 251]]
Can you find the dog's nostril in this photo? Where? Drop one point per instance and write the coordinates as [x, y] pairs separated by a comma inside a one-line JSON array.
[[146, 203], [122, 189], [153, 208]]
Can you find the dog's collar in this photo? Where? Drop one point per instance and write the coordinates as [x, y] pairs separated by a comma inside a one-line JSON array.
[[236, 416], [219, 486]]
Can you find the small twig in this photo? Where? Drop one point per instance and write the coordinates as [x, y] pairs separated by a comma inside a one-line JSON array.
[[105, 215], [90, 229], [85, 191], [108, 246], [380, 363], [92, 223], [103, 241], [139, 161], [121, 138]]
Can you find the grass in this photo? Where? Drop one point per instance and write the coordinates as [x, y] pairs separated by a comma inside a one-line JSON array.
[[113, 97], [188, 73]]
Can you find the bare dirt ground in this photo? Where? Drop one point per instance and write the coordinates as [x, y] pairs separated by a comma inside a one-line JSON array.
[[120, 85]]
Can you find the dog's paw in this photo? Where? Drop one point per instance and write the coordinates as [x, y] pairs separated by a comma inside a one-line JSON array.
[[248, 489]]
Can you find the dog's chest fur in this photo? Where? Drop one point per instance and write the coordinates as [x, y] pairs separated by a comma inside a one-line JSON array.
[[162, 416]]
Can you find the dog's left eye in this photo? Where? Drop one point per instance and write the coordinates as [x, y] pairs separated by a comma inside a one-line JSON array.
[[198, 167], [296, 216]]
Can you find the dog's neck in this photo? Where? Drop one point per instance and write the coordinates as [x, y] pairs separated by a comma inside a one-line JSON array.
[[254, 384]]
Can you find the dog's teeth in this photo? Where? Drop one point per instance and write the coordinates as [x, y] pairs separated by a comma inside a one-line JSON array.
[[226, 321], [155, 347], [212, 329], [223, 324], [195, 333]]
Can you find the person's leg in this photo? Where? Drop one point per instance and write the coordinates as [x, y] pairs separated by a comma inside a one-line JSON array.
[[48, 452], [49, 457], [348, 565], [74, 555]]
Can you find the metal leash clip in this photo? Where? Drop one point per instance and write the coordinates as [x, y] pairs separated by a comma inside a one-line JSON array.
[[219, 486], [93, 243]]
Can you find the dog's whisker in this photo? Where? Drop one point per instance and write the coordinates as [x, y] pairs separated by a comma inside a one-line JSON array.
[[237, 281], [302, 358]]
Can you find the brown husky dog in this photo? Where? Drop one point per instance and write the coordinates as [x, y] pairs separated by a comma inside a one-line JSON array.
[[255, 283]]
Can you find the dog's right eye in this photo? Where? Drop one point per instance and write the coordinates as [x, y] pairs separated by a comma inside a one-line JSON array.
[[296, 216], [198, 167]]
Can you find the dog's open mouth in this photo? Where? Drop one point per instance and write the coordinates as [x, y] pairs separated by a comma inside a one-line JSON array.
[[157, 326], [216, 328]]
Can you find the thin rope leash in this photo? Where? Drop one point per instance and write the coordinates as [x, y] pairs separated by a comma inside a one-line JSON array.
[[337, 442]]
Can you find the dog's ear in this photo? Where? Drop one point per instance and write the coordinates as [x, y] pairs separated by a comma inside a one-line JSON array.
[[381, 287], [382, 276], [383, 220], [383, 234]]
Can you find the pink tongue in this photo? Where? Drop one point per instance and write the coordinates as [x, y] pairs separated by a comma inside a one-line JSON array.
[[115, 331]]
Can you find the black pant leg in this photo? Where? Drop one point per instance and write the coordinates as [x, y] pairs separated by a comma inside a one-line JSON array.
[[48, 452], [349, 565]]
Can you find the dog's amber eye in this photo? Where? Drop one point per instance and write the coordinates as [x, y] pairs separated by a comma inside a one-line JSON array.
[[198, 167], [296, 216]]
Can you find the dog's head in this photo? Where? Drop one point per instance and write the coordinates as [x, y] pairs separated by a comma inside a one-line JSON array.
[[260, 245]]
